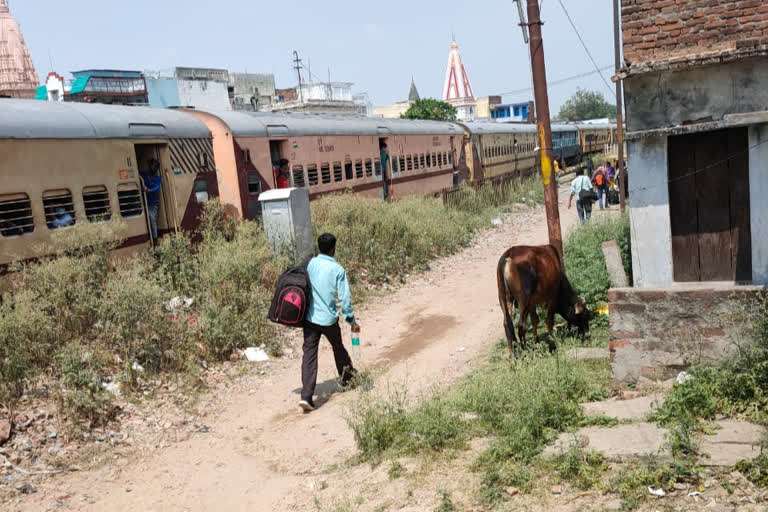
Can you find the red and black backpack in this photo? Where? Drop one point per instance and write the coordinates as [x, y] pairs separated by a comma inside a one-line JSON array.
[[293, 292]]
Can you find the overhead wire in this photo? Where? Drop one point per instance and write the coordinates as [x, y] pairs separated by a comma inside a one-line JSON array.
[[559, 81], [613, 93]]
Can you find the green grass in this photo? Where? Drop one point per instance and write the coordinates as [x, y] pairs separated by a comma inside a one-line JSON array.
[[584, 259]]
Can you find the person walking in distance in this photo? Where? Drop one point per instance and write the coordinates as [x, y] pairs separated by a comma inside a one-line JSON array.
[[329, 282], [152, 182], [384, 155], [580, 187], [600, 181]]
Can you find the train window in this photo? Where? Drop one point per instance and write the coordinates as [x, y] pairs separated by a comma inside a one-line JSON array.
[[297, 173], [377, 167], [368, 168], [439, 159], [247, 156], [96, 202], [254, 183], [312, 175], [422, 161], [325, 173], [359, 169], [450, 158], [201, 191], [429, 159], [129, 200], [59, 208], [348, 170], [409, 160], [434, 159], [337, 174], [15, 215]]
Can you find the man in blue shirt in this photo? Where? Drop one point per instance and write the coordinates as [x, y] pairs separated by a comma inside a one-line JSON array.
[[329, 281], [151, 183]]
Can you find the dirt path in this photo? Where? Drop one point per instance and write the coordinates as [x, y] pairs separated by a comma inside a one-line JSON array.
[[260, 450]]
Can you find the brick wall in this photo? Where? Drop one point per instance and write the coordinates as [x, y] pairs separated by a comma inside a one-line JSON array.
[[657, 30], [656, 333]]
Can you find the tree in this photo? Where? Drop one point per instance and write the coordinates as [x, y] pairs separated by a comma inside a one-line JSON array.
[[587, 105], [428, 108]]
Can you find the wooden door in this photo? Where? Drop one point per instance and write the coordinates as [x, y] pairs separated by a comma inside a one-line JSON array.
[[709, 206]]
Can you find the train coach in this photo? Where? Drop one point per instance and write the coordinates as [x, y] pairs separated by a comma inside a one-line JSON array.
[[80, 162], [328, 154]]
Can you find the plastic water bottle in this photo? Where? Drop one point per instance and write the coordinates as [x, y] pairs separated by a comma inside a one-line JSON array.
[[356, 346]]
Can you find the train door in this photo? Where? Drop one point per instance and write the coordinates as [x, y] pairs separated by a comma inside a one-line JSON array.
[[385, 172], [276, 153], [159, 208]]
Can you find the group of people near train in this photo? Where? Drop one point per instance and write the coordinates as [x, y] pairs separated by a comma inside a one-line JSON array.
[[597, 188]]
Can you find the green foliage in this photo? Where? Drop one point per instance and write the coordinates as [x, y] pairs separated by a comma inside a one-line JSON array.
[[431, 109], [587, 105], [584, 259], [446, 503], [632, 483], [81, 395], [381, 242], [756, 470], [581, 467], [479, 200]]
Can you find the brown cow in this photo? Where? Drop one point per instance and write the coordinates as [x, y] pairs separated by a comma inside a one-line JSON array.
[[531, 276]]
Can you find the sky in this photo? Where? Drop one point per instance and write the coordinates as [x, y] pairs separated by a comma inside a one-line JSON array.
[[377, 45]]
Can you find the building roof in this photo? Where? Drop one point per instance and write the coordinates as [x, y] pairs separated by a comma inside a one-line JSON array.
[[30, 119], [262, 124]]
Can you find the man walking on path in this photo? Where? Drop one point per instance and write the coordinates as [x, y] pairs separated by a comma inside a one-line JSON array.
[[329, 281], [579, 185]]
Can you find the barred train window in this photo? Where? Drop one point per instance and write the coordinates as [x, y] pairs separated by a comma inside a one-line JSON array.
[[96, 201], [439, 159], [359, 169], [450, 158], [337, 174], [254, 183], [429, 159], [15, 215], [325, 173], [377, 167], [312, 175], [368, 168], [129, 200], [298, 176], [348, 170], [59, 208], [410, 162], [422, 161]]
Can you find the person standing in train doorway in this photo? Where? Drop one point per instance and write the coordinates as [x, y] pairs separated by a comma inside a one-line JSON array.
[[152, 182], [384, 150], [281, 173]]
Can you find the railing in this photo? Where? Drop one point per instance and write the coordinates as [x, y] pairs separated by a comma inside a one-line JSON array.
[[612, 150], [496, 189]]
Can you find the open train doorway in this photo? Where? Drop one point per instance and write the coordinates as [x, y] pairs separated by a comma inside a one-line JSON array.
[[384, 168], [276, 153], [153, 162]]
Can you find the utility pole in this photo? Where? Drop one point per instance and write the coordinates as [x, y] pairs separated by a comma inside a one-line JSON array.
[[297, 67], [619, 116], [541, 97]]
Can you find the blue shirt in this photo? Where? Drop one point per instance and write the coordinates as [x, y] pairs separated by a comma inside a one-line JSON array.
[[329, 280], [153, 183]]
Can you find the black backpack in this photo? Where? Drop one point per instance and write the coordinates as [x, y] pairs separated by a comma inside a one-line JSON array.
[[293, 293]]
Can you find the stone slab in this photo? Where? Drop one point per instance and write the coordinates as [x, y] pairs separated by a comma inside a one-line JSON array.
[[586, 353], [613, 263], [635, 409], [733, 442], [615, 443]]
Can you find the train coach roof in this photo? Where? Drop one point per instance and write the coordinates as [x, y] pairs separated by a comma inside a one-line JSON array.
[[479, 128], [262, 124], [33, 119]]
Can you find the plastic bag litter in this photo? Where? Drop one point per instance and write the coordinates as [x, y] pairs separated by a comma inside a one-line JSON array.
[[683, 377], [497, 222], [657, 492], [256, 354], [178, 302]]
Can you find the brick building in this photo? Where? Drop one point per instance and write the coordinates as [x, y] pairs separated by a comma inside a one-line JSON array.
[[697, 122]]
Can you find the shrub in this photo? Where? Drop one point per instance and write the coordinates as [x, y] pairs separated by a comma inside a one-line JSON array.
[[580, 466], [81, 395], [584, 260]]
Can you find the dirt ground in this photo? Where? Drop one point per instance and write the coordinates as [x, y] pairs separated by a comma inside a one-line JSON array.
[[258, 452]]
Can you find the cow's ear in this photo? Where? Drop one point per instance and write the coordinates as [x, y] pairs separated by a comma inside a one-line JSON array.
[[580, 306]]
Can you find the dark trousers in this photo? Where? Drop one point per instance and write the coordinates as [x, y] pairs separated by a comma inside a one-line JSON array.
[[312, 333]]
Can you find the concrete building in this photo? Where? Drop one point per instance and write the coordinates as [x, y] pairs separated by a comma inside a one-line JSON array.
[[457, 90], [18, 78], [513, 112], [201, 88], [485, 105], [318, 98], [55, 88], [697, 123], [108, 86], [395, 110], [251, 91]]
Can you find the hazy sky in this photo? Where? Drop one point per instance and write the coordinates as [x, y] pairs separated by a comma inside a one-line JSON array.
[[376, 45]]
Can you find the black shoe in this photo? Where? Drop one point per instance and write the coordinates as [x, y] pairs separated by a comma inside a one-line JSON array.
[[307, 405]]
